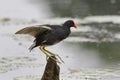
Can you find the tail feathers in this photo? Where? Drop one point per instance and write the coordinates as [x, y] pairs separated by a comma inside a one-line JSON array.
[[31, 47]]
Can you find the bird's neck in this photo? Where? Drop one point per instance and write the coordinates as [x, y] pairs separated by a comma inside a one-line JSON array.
[[65, 26], [67, 29]]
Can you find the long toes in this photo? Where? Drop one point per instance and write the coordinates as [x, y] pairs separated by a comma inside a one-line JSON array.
[[55, 59], [58, 57]]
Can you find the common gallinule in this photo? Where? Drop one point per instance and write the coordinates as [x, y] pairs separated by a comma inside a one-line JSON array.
[[46, 35]]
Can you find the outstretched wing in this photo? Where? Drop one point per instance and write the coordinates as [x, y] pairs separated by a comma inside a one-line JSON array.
[[34, 30]]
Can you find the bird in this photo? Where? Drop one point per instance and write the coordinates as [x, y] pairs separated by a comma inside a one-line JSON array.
[[47, 35]]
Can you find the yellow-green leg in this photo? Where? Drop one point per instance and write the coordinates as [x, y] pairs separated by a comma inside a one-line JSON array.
[[50, 54]]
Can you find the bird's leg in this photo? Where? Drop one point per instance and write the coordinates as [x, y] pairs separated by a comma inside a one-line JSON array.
[[50, 54], [42, 48], [54, 55], [47, 53]]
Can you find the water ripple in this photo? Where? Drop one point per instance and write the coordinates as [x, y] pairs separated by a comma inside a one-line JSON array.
[[13, 63], [83, 74]]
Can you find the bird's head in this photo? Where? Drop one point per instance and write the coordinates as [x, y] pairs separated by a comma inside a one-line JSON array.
[[70, 23]]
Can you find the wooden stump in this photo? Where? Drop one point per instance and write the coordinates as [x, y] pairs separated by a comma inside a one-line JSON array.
[[52, 70]]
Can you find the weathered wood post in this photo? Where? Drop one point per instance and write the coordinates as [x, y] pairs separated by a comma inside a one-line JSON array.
[[52, 70]]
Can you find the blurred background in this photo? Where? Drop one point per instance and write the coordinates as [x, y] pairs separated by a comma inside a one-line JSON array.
[[92, 51]]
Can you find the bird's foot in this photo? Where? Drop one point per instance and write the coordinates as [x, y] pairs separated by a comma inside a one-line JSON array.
[[56, 58], [59, 58], [49, 54]]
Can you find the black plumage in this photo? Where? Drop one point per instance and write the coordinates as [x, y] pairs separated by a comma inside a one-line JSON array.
[[46, 35]]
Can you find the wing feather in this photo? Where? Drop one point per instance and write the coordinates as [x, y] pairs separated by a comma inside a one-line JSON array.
[[34, 30]]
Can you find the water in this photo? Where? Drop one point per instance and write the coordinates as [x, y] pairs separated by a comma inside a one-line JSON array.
[[90, 53]]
